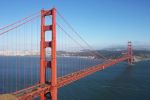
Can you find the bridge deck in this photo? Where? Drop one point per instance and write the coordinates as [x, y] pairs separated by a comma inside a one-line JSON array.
[[36, 90]]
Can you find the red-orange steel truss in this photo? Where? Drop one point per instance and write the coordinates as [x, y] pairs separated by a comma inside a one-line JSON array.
[[44, 64]]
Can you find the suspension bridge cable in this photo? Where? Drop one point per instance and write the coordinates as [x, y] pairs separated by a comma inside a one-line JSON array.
[[19, 21], [71, 27], [19, 25], [33, 18], [61, 28]]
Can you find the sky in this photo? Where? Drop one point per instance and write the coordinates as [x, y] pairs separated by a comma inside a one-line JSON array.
[[101, 23]]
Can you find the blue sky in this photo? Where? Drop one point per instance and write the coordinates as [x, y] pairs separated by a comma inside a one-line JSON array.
[[101, 22]]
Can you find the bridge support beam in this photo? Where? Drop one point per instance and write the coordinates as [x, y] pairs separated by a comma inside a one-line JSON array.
[[130, 53], [51, 63]]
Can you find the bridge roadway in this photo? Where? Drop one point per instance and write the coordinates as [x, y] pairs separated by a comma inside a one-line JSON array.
[[36, 90]]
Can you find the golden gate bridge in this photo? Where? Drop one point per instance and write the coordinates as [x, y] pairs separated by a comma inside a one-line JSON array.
[[49, 82]]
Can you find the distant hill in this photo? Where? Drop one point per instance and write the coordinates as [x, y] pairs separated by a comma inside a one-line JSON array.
[[110, 54]]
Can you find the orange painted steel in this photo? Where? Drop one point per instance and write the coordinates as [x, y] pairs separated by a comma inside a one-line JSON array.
[[42, 88], [44, 64], [35, 91], [53, 58], [42, 54], [130, 52]]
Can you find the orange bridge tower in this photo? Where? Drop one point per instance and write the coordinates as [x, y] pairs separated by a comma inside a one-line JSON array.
[[51, 63]]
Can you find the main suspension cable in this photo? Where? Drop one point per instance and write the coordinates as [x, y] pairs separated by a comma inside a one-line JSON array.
[[19, 21], [24, 21], [19, 25], [71, 27], [61, 28]]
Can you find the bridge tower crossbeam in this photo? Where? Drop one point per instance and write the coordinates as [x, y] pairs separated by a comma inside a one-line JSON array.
[[51, 63]]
